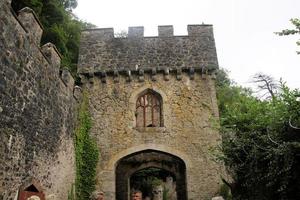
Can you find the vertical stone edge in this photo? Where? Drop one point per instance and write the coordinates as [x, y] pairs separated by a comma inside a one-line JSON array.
[[31, 23]]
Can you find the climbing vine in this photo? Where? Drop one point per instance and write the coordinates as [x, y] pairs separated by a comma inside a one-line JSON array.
[[86, 154]]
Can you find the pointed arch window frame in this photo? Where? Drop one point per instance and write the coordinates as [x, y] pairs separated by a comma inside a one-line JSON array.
[[149, 104]]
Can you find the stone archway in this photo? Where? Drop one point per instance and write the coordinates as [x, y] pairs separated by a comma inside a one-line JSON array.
[[133, 163]]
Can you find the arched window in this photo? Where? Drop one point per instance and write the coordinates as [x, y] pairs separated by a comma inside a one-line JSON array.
[[149, 109]]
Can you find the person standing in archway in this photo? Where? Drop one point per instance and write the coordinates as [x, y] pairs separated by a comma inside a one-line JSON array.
[[98, 196], [137, 195]]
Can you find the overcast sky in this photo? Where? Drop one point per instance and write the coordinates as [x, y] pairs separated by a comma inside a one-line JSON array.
[[244, 29]]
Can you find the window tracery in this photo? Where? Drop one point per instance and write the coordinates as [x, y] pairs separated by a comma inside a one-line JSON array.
[[149, 109]]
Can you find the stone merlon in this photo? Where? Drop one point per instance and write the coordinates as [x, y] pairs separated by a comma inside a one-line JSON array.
[[31, 23], [52, 55], [165, 31], [137, 31], [101, 51]]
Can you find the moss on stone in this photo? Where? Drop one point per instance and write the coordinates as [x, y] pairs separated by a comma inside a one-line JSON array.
[[86, 153]]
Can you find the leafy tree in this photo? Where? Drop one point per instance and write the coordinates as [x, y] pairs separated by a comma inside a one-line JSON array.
[[266, 84], [260, 147], [296, 30]]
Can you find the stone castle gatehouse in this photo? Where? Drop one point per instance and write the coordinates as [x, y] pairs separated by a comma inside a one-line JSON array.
[[152, 101], [153, 106]]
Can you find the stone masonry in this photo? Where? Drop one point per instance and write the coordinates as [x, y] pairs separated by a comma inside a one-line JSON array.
[[38, 103], [115, 71], [37, 109]]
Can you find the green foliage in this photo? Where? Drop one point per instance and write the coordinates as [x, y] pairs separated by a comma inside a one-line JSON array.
[[259, 147], [86, 154], [296, 30], [225, 192], [60, 26], [165, 193], [71, 193]]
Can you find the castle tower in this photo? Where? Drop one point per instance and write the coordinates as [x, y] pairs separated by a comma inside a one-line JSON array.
[[153, 106]]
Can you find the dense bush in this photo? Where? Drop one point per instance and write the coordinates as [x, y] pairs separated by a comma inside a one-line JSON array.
[[261, 143]]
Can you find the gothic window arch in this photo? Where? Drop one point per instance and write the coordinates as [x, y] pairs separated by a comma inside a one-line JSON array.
[[149, 109]]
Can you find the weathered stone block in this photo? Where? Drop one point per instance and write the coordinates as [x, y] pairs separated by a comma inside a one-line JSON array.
[[200, 30], [38, 113], [217, 198], [77, 93], [165, 31], [68, 79], [52, 55], [32, 24], [136, 31]]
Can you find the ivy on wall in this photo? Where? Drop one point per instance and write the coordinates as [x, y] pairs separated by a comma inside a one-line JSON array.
[[86, 153]]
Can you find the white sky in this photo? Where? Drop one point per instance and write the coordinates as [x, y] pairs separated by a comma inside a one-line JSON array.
[[244, 29]]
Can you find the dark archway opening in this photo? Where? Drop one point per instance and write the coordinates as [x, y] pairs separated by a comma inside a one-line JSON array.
[[147, 169], [145, 180]]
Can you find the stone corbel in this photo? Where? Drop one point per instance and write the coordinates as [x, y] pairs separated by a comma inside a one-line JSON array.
[[179, 73], [141, 75], [192, 73], [116, 76], [103, 77], [153, 74], [214, 76], [166, 74], [128, 72], [91, 77], [203, 72]]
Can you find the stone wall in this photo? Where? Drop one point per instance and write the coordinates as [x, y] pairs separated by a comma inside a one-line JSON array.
[[181, 70], [37, 109], [189, 112], [100, 50]]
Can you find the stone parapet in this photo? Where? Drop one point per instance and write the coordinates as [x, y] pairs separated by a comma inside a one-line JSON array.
[[37, 108], [101, 51]]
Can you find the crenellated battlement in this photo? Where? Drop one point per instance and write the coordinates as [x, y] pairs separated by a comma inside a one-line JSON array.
[[146, 95], [37, 108], [101, 51], [28, 33], [195, 30]]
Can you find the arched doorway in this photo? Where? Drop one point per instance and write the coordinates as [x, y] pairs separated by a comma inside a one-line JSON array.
[[145, 169]]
